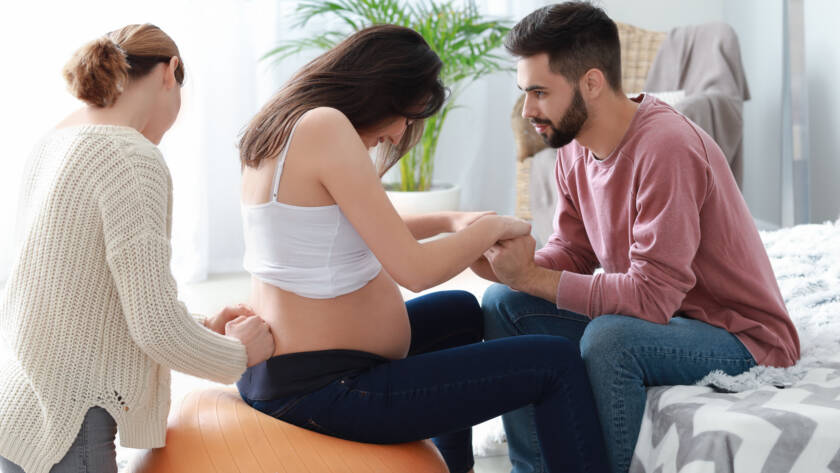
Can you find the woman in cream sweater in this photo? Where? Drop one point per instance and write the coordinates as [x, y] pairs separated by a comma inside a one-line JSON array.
[[89, 316]]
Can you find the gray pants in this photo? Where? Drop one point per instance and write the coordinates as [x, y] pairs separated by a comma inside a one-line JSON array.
[[92, 451]]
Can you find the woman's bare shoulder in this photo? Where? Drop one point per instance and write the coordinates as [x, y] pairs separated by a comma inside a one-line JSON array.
[[325, 117], [327, 129]]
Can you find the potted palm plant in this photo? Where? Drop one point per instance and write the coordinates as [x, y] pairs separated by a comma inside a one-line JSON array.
[[464, 39]]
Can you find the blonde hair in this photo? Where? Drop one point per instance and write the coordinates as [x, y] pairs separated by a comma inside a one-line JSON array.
[[98, 71]]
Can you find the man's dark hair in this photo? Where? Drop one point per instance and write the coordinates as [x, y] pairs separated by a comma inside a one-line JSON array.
[[577, 36]]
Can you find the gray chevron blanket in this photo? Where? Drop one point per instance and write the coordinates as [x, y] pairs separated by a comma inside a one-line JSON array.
[[769, 419]]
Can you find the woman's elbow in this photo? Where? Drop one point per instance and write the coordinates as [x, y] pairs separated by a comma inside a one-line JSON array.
[[413, 283], [412, 276]]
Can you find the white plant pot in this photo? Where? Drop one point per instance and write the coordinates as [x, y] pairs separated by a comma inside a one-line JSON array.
[[439, 198]]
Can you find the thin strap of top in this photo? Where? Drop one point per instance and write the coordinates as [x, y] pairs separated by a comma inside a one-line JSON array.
[[282, 159]]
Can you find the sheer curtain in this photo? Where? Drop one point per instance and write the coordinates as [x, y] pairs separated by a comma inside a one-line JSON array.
[[220, 42]]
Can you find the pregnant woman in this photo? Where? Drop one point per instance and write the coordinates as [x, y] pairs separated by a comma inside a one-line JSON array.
[[326, 250]]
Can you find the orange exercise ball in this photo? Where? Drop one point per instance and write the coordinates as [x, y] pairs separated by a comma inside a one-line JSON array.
[[213, 430]]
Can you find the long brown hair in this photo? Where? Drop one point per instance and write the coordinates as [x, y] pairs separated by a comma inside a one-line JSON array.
[[375, 73], [98, 71]]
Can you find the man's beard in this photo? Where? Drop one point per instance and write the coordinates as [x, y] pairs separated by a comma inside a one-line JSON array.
[[569, 125]]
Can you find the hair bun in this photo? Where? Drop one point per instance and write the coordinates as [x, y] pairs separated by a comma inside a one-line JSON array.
[[97, 72]]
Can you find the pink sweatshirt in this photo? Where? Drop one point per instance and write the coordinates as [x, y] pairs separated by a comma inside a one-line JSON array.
[[664, 218]]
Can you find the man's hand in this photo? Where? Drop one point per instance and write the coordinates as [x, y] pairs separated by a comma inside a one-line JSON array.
[[217, 322], [512, 260], [482, 269], [513, 263]]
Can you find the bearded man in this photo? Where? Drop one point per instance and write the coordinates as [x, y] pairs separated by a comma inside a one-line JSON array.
[[646, 195]]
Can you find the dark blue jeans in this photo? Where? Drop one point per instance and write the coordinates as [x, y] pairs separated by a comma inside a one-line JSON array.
[[450, 381]]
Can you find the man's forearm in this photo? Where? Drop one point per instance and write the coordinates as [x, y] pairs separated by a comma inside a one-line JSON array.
[[540, 282]]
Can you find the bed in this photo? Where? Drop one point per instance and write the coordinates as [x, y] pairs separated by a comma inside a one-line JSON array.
[[776, 420]]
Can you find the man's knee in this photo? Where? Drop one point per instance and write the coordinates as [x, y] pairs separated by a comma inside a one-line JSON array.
[[498, 306], [607, 336], [496, 297]]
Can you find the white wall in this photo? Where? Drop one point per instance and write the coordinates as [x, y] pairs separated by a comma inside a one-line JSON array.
[[662, 15], [759, 27], [822, 60], [759, 24]]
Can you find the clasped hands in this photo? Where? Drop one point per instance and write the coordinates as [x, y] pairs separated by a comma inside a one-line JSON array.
[[511, 259]]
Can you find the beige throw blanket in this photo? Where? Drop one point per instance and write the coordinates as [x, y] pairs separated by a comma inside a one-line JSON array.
[[705, 61]]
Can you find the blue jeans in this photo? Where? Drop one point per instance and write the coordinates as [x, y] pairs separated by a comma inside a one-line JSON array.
[[93, 450], [623, 355], [451, 381]]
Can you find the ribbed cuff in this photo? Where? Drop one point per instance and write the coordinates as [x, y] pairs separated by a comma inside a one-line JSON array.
[[201, 319], [574, 292], [28, 459], [147, 430]]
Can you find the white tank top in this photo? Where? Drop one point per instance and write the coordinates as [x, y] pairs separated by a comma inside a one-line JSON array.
[[312, 251]]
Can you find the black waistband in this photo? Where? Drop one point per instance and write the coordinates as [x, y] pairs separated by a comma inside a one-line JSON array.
[[299, 373]]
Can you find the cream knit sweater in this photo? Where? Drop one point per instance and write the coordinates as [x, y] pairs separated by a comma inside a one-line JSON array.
[[89, 315]]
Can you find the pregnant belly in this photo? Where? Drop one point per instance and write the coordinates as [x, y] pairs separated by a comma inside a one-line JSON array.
[[372, 319]]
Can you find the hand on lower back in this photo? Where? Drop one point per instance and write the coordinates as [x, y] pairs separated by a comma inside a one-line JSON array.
[[255, 334], [218, 322]]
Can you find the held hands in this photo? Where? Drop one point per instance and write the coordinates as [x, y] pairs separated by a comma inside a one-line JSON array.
[[509, 227], [512, 227], [512, 260], [508, 231]]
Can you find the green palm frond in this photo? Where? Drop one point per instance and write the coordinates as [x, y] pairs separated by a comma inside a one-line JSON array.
[[465, 41], [288, 48]]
